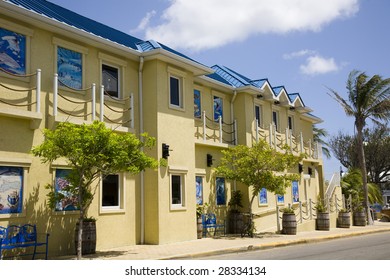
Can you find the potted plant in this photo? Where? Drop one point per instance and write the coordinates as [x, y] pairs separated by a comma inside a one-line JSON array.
[[344, 218], [289, 222], [236, 219], [359, 216], [200, 208], [322, 221]]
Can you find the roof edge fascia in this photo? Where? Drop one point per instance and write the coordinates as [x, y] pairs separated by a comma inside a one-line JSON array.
[[53, 25], [197, 68], [216, 83]]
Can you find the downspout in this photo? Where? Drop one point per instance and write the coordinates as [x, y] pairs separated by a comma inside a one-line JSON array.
[[141, 131], [232, 120]]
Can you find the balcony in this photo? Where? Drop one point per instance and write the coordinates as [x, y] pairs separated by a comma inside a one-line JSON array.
[[81, 106], [20, 96], [296, 143], [217, 133]]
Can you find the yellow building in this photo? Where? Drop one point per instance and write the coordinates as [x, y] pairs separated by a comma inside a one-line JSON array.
[[59, 66]]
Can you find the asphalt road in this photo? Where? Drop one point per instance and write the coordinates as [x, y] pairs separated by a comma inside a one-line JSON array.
[[364, 247]]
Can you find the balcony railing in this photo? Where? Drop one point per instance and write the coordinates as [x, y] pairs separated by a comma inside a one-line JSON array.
[[83, 105], [297, 144], [21, 95], [210, 131]]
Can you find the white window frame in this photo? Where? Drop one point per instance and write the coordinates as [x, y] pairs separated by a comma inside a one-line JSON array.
[[277, 123], [121, 196], [180, 76], [260, 120], [182, 172], [292, 123], [117, 63]]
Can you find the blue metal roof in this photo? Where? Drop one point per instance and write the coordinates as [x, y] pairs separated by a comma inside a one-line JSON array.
[[70, 18]]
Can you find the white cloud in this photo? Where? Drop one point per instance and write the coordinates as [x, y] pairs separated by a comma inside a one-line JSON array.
[[299, 54], [144, 22], [205, 24], [319, 65]]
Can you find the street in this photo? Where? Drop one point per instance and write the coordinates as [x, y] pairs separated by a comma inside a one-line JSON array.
[[363, 247]]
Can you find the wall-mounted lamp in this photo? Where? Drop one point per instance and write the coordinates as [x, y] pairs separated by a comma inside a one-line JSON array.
[[209, 160], [276, 102], [165, 150], [292, 108], [259, 96]]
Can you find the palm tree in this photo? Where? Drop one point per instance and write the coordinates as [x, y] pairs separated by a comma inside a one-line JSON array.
[[368, 98], [318, 136]]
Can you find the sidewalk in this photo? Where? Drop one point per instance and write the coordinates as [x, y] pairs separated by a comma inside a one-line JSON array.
[[228, 244]]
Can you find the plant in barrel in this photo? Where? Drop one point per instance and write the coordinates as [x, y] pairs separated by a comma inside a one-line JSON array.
[[259, 167], [92, 151]]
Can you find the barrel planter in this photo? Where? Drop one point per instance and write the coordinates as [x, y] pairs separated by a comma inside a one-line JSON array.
[[236, 222], [199, 227], [289, 224], [359, 218], [322, 221], [344, 220], [88, 237]]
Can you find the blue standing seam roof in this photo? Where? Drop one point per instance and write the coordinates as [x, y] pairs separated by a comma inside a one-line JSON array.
[[60, 14]]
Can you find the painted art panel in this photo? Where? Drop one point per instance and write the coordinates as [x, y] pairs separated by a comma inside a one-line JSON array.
[[69, 201], [263, 196], [295, 192], [280, 199], [69, 68], [220, 191], [199, 190], [12, 52], [197, 104], [11, 189], [218, 108]]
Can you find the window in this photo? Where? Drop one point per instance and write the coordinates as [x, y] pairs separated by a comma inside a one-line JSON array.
[[175, 92], [11, 189], [111, 191], [275, 120], [263, 196], [69, 201], [69, 68], [218, 108], [220, 191], [258, 115], [280, 199], [199, 190], [110, 77], [295, 192], [13, 51], [290, 123], [177, 191], [197, 104]]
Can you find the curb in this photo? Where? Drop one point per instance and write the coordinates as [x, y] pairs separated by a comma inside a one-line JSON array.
[[271, 245]]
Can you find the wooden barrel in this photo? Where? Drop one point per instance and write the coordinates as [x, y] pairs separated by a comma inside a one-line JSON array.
[[359, 218], [322, 221], [88, 238], [199, 227], [289, 224], [236, 222], [344, 220]]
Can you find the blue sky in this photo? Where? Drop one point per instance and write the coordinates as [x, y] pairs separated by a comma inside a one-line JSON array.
[[305, 45]]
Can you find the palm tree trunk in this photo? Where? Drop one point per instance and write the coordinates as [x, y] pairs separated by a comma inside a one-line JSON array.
[[362, 161]]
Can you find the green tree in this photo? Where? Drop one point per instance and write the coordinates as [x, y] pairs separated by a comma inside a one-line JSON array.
[[352, 185], [318, 136], [92, 152], [368, 99], [257, 167], [376, 150]]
